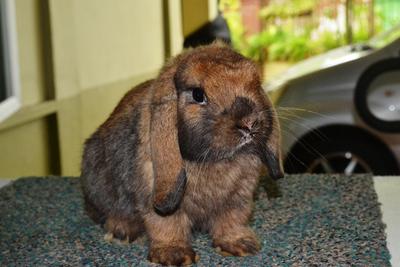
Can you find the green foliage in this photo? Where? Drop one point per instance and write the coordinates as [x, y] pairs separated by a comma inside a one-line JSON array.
[[361, 25], [232, 15], [257, 45], [388, 12], [284, 40], [289, 8], [327, 41], [281, 44]]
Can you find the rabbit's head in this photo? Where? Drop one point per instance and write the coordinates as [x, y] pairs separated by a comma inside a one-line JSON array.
[[209, 106]]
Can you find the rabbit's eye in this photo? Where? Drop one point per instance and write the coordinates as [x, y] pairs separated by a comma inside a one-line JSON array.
[[198, 95]]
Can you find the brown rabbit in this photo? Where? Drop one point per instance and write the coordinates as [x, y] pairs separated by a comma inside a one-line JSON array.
[[183, 152]]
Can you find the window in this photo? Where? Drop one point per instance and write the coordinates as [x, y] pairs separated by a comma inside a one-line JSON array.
[[9, 70]]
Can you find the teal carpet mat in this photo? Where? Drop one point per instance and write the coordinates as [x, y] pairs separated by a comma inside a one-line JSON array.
[[315, 221]]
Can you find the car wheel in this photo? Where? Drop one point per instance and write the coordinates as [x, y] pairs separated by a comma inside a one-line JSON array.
[[353, 153], [362, 90]]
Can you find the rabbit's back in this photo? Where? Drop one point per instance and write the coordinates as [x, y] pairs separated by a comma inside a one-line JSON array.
[[115, 170]]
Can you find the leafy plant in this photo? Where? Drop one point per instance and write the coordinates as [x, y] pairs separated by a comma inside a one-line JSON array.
[[233, 17], [288, 8], [284, 40]]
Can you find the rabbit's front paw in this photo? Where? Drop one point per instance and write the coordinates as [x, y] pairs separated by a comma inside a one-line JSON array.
[[243, 246], [173, 255]]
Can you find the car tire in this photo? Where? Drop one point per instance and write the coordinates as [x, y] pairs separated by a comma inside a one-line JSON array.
[[361, 95], [328, 154]]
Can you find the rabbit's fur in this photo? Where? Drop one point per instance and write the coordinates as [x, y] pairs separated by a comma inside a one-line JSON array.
[[184, 151]]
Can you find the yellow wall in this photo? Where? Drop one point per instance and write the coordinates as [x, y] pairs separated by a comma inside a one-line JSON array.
[[77, 58], [30, 51], [194, 15], [19, 152], [128, 40]]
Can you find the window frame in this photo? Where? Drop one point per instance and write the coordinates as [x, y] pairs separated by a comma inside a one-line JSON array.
[[11, 64]]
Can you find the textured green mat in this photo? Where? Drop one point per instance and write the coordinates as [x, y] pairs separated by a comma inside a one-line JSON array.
[[316, 221]]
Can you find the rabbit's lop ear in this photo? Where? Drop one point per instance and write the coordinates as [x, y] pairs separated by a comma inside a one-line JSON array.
[[272, 160], [270, 152], [168, 167]]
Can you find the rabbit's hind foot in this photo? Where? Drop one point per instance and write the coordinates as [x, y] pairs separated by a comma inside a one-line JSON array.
[[123, 230]]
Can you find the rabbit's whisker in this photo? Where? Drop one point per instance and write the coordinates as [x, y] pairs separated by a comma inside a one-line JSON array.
[[292, 109]]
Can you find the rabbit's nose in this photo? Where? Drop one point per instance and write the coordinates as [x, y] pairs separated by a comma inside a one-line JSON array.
[[246, 126], [243, 129]]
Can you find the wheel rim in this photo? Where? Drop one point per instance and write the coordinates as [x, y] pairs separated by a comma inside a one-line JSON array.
[[340, 162]]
